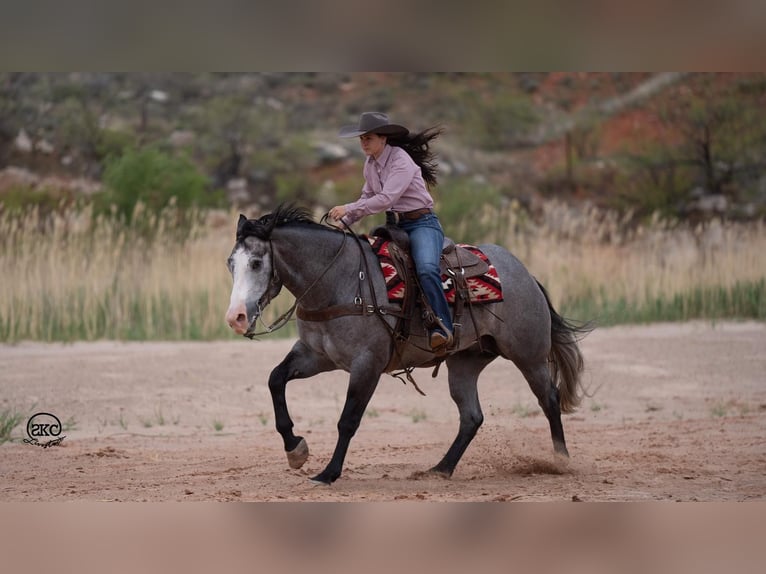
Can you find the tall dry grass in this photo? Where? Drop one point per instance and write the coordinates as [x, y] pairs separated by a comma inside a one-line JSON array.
[[597, 263], [73, 276]]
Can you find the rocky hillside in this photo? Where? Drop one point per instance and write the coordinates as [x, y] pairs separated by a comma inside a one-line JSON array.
[[688, 145]]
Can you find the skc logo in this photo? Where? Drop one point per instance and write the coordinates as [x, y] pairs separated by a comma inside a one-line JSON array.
[[44, 429]]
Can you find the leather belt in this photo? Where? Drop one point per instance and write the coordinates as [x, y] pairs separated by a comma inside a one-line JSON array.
[[395, 217]]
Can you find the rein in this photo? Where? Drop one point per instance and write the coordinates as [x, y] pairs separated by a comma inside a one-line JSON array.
[[374, 309], [285, 317], [358, 307]]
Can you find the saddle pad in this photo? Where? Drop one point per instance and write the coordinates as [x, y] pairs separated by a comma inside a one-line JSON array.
[[484, 288]]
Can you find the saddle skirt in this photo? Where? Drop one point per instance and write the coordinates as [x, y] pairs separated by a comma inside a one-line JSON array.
[[483, 282]]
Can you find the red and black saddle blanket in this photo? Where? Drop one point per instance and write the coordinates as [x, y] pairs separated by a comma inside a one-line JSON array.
[[485, 288]]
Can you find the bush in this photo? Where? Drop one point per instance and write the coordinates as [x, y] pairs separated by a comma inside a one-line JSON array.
[[505, 122], [153, 177], [469, 210], [652, 181]]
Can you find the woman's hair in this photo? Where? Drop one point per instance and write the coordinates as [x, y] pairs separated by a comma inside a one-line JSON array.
[[417, 145]]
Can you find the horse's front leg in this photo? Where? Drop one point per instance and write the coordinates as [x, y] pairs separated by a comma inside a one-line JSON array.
[[300, 363], [362, 384]]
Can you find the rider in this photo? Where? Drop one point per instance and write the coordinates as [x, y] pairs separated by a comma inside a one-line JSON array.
[[398, 170]]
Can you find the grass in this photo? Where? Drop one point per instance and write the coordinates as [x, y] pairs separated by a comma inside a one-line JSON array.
[[719, 410], [82, 277], [77, 276], [121, 421], [743, 300], [158, 418], [418, 415], [524, 411], [731, 407], [596, 265], [9, 420]]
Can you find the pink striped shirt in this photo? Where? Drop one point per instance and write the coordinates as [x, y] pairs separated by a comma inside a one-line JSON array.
[[392, 182]]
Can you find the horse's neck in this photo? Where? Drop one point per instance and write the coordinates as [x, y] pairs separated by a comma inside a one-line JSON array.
[[315, 264]]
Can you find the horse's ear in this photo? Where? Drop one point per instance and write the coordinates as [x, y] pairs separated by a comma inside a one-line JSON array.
[[241, 223]]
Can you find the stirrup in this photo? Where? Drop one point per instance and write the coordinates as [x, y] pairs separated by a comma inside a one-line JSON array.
[[440, 341]]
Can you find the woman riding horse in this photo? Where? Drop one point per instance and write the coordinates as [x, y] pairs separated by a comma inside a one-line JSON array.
[[397, 173]]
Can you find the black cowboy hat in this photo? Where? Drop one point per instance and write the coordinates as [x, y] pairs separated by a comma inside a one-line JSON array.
[[373, 122]]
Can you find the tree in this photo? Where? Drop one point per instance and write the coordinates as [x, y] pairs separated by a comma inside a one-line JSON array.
[[721, 135]]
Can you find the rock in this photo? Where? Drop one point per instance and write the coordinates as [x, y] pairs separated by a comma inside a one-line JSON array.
[[182, 138], [17, 177], [159, 96], [23, 142], [237, 191], [330, 152], [45, 147], [713, 203]]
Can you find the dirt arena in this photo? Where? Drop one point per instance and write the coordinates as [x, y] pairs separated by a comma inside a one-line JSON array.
[[675, 412]]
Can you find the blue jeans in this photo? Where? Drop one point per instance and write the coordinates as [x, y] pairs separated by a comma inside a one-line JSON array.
[[426, 241]]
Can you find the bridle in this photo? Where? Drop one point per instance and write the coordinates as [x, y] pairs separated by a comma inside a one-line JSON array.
[[285, 317], [358, 307]]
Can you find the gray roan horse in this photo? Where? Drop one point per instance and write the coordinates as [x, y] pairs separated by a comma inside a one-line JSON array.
[[327, 269]]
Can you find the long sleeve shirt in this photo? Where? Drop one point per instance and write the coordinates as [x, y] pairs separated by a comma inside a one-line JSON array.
[[392, 182]]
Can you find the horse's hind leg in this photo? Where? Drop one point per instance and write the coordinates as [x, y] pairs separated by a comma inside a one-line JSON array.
[[539, 379], [464, 369]]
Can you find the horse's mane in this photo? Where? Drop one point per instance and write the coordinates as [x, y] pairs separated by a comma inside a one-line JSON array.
[[285, 214]]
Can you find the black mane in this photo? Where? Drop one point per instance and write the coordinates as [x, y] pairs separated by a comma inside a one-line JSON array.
[[285, 214]]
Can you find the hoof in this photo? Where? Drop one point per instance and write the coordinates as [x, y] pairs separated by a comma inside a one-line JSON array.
[[299, 455], [562, 463], [560, 450], [318, 481], [324, 478]]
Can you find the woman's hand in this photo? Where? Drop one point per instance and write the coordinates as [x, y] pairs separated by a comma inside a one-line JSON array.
[[337, 212]]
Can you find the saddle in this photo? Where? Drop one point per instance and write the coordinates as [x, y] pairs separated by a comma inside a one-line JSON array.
[[456, 262]]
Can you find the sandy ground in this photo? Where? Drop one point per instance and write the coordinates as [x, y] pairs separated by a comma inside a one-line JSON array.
[[676, 412]]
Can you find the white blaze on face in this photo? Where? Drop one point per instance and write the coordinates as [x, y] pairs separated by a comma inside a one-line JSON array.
[[240, 272], [250, 280]]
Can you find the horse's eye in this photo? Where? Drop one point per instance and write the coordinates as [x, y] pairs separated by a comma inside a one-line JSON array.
[[255, 264], [230, 264]]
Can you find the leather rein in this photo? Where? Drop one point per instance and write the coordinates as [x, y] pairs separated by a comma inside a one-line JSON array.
[[358, 307]]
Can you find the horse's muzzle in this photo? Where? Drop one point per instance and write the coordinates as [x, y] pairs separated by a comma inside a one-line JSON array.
[[237, 319]]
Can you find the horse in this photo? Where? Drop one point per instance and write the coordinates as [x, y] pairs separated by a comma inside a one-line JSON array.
[[345, 322]]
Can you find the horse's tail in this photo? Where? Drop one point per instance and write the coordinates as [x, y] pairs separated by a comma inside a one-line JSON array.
[[565, 359]]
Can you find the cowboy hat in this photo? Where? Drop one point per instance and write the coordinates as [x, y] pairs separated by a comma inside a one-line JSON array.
[[373, 122]]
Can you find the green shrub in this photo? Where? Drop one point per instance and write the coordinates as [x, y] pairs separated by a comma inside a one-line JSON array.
[[504, 122], [468, 209], [153, 177], [113, 143]]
